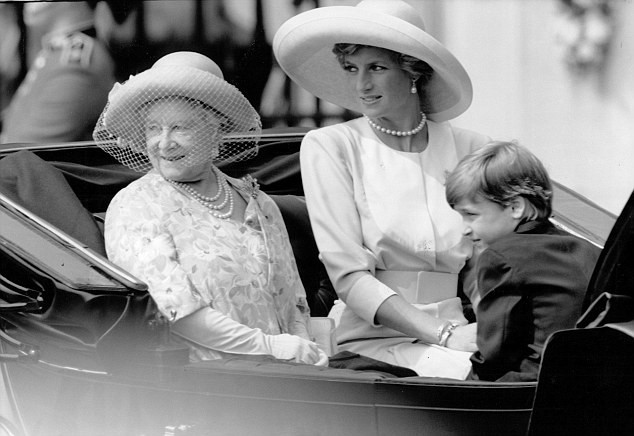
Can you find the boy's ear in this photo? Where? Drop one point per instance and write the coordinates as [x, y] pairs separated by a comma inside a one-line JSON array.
[[518, 207]]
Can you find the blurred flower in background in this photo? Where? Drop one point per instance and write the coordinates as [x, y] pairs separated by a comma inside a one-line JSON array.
[[585, 29]]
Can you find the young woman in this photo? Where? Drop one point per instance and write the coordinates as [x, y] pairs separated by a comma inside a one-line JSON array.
[[375, 185]]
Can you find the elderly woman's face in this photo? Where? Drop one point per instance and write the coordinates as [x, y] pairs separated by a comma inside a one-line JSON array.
[[380, 83], [181, 139]]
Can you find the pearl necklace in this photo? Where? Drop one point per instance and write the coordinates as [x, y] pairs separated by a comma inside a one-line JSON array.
[[223, 190], [414, 131]]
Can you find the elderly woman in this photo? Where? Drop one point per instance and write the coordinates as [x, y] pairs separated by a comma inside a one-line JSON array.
[[374, 186], [213, 250]]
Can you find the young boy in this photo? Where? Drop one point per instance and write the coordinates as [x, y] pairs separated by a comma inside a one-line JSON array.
[[531, 276]]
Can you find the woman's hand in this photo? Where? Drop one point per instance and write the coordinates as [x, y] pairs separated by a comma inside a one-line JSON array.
[[463, 338], [296, 349], [211, 329]]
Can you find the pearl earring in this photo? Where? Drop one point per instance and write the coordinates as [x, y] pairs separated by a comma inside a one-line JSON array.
[[413, 89]]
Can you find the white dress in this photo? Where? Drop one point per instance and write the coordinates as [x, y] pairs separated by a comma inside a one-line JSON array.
[[379, 214]]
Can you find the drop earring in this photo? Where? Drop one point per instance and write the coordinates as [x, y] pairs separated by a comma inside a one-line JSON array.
[[413, 89]]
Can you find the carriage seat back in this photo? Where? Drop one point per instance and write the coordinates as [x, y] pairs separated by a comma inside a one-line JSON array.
[[40, 187]]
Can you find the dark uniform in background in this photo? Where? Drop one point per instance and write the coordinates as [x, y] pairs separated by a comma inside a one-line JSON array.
[[64, 91]]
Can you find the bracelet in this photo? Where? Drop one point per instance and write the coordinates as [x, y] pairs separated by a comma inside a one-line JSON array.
[[447, 333], [441, 330]]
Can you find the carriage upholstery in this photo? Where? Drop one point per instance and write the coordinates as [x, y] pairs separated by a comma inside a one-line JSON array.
[[37, 185]]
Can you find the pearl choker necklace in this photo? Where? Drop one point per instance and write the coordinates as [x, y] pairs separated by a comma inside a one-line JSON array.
[[223, 190], [414, 131]]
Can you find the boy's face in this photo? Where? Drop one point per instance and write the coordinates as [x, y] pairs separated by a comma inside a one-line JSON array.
[[485, 221]]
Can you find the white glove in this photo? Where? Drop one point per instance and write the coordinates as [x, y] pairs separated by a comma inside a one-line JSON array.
[[211, 329], [296, 349]]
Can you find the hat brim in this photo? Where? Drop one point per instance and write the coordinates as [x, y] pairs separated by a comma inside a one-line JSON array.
[[303, 48], [122, 114]]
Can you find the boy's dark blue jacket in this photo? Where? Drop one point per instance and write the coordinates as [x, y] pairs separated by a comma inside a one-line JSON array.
[[532, 284]]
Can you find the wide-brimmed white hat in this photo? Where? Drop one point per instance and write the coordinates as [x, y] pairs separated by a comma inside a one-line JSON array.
[[303, 47], [181, 75]]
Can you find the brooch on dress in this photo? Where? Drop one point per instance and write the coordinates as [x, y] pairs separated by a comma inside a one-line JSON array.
[[251, 185]]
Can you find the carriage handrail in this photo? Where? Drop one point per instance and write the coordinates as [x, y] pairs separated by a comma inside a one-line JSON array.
[[96, 260]]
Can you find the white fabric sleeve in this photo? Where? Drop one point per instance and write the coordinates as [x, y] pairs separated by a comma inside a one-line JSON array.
[[337, 226], [211, 329]]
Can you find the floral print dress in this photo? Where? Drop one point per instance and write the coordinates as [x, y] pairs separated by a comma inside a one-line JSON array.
[[191, 259]]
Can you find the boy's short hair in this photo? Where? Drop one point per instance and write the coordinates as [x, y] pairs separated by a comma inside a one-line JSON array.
[[500, 172]]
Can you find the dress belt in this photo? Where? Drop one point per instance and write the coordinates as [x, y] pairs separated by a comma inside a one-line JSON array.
[[422, 287]]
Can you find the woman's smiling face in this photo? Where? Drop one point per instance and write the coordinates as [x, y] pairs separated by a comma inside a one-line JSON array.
[[382, 85], [181, 139]]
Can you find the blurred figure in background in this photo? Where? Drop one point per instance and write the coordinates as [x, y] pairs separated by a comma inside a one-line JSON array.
[[67, 84], [283, 102], [11, 68], [230, 32]]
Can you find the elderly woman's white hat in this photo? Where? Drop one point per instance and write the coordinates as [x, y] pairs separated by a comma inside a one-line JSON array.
[[303, 47], [185, 75]]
